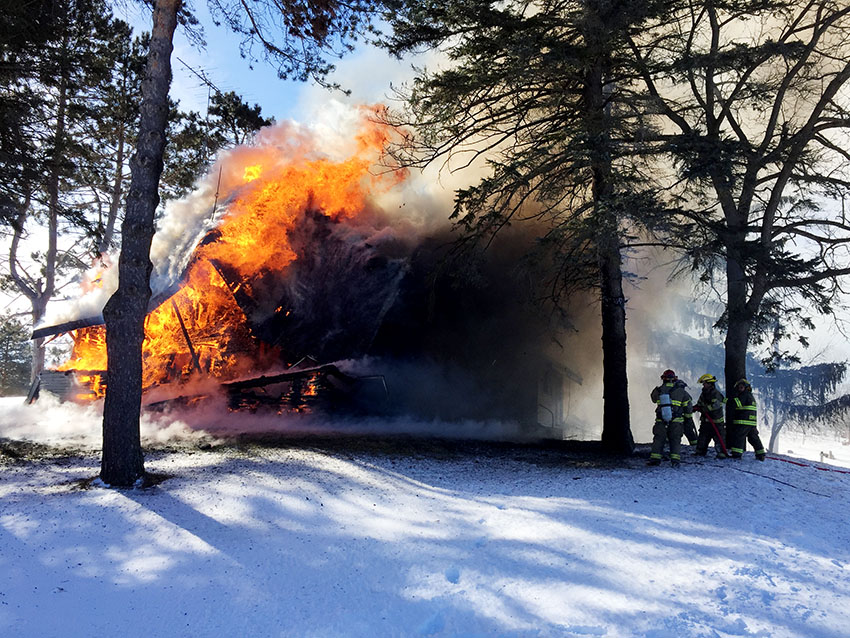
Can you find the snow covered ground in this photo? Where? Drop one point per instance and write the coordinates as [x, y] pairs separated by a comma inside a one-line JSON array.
[[395, 536], [834, 449]]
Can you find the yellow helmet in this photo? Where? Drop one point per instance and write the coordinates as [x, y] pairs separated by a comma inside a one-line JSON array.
[[744, 383], [707, 378]]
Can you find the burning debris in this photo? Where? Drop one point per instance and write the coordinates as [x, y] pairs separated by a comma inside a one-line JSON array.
[[307, 296], [325, 387]]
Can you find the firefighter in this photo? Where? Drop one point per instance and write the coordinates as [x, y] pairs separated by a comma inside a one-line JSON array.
[[710, 405], [672, 404], [688, 427], [744, 423]]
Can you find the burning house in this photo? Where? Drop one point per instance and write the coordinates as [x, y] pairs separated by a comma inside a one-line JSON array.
[[301, 293]]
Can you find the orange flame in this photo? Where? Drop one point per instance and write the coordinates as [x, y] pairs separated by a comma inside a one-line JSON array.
[[252, 172], [202, 329]]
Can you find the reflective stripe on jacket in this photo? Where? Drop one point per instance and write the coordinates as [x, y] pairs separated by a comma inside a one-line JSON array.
[[745, 409]]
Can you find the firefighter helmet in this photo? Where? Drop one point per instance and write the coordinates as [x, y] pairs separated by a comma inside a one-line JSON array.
[[744, 383], [668, 374], [707, 378]]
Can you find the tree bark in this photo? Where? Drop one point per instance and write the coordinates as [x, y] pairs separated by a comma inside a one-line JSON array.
[[739, 319], [45, 292], [122, 463], [117, 185], [616, 428], [39, 308], [775, 429]]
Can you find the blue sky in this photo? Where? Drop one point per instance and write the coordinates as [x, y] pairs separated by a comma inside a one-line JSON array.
[[367, 72]]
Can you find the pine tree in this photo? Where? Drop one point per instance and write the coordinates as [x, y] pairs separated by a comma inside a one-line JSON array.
[[541, 91], [14, 357], [24, 29], [754, 98], [112, 131], [60, 75]]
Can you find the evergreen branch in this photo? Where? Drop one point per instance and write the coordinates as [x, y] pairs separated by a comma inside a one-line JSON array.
[[794, 227], [821, 180], [659, 101], [814, 278], [829, 144]]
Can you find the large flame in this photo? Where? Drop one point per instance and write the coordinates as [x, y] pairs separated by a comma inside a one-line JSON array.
[[202, 328]]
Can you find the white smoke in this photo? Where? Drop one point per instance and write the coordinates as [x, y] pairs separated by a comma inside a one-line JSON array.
[[68, 424], [51, 422]]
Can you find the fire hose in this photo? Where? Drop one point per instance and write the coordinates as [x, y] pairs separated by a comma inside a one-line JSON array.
[[774, 458], [817, 467], [716, 431]]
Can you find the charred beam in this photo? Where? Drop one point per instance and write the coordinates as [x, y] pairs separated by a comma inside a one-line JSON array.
[[328, 370], [195, 361], [68, 326], [97, 320]]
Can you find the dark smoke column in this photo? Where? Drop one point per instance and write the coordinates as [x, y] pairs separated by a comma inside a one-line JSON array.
[[122, 463]]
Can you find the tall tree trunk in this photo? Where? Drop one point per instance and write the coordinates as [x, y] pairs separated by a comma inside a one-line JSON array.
[[616, 429], [45, 291], [40, 291], [122, 463], [39, 307], [739, 320], [775, 429], [117, 184]]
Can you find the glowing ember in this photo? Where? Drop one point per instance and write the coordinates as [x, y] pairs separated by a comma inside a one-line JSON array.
[[252, 172], [202, 329]]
